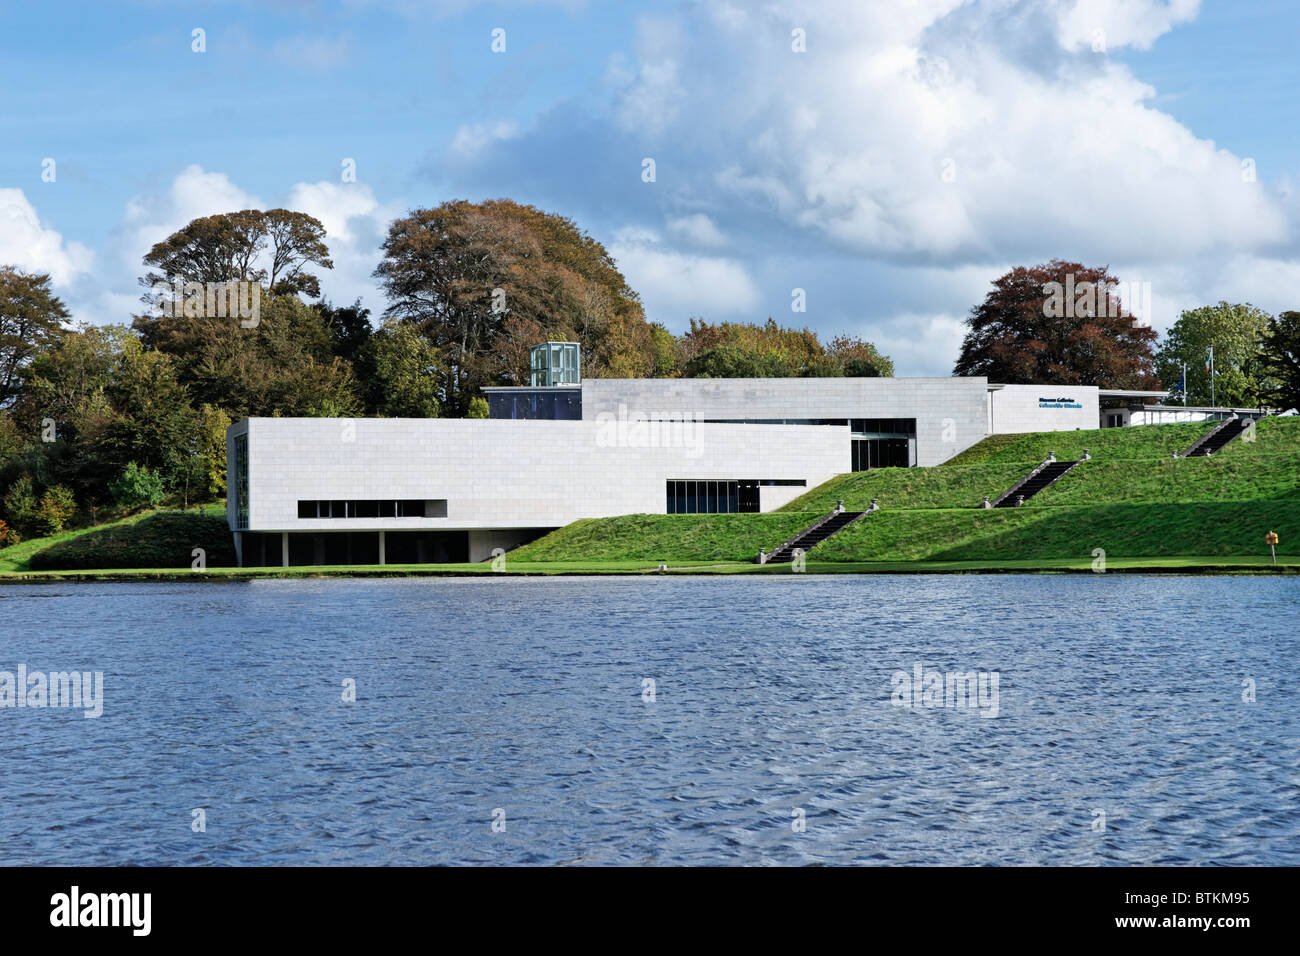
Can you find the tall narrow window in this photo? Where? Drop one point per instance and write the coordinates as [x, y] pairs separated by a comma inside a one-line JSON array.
[[241, 482]]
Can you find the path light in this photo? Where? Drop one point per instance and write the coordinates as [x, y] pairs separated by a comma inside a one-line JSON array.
[[839, 505], [1020, 500], [987, 503], [1086, 456], [1051, 456], [875, 504]]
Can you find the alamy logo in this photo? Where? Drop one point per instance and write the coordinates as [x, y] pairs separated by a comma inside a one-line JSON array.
[[211, 300], [637, 429], [102, 909], [84, 689], [977, 690]]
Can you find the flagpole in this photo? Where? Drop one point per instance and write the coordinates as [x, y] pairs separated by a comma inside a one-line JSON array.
[[1213, 402]]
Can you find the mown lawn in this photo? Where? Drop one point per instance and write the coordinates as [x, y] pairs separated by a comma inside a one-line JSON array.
[[654, 538], [1222, 529], [898, 488], [1144, 442]]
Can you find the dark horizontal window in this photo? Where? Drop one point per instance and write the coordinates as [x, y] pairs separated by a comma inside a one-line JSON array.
[[884, 426], [374, 508]]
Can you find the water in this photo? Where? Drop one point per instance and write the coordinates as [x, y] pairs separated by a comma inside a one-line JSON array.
[[1117, 693]]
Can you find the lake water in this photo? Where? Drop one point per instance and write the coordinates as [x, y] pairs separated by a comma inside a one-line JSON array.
[[770, 733]]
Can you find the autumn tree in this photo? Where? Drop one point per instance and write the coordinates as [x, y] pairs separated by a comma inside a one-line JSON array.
[[474, 277], [1057, 323], [273, 248]]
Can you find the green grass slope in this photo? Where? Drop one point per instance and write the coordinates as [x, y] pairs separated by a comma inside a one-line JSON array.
[[1205, 528], [912, 488], [160, 540], [654, 538], [1143, 442]]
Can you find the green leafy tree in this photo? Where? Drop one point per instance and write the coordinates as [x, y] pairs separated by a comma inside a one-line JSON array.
[[20, 505], [137, 486], [1280, 359], [405, 373], [1235, 330], [478, 407], [31, 322]]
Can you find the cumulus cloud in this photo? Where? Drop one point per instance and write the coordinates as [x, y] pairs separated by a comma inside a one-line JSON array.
[[151, 217], [675, 283], [27, 243], [697, 230]]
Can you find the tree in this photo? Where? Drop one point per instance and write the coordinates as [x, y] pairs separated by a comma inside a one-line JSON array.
[[1235, 331], [296, 240], [20, 505], [31, 318], [741, 350], [460, 270], [859, 358], [1280, 359], [137, 486], [56, 508], [406, 373], [233, 246], [1057, 323], [348, 326]]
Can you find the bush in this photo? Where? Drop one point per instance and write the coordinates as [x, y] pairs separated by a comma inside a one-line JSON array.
[[137, 486], [478, 407], [8, 536], [56, 507], [20, 505], [164, 540]]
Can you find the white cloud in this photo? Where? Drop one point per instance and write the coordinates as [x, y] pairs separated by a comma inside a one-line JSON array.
[[472, 139], [674, 284], [698, 230], [194, 192], [1043, 144], [28, 244]]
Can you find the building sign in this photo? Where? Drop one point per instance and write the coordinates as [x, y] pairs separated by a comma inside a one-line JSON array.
[[1058, 403]]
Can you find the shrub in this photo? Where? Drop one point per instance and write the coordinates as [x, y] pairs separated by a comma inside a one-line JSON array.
[[478, 407], [8, 536], [56, 507], [20, 505], [137, 486]]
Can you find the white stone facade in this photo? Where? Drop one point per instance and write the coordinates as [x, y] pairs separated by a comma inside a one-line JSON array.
[[1016, 409], [951, 413], [497, 474]]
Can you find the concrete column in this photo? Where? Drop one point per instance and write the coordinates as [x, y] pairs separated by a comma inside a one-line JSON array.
[[382, 556], [284, 549]]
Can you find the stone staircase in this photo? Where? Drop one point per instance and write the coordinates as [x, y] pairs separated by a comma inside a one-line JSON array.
[[1041, 477], [813, 535]]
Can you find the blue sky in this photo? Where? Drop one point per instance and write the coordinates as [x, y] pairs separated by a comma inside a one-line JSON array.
[[907, 156]]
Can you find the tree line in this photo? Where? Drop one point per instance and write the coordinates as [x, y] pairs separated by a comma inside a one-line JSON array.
[[99, 420]]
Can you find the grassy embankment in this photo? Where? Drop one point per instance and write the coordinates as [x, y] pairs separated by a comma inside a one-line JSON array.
[[1132, 500], [1145, 509]]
